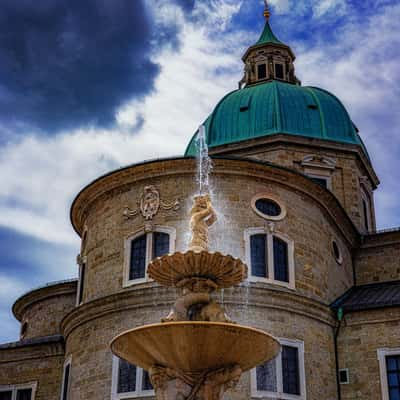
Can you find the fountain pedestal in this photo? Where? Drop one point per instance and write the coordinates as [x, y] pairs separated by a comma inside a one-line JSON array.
[[197, 352]]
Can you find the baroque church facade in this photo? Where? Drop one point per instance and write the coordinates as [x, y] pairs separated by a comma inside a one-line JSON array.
[[293, 186]]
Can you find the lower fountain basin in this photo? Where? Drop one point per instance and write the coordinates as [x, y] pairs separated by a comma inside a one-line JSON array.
[[195, 346]]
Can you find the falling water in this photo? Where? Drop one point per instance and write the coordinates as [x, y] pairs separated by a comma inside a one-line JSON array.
[[204, 164]]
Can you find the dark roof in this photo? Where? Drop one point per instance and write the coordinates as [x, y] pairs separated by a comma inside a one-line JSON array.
[[365, 297], [33, 342]]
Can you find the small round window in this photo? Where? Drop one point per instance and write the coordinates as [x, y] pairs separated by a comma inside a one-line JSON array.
[[268, 208], [336, 252]]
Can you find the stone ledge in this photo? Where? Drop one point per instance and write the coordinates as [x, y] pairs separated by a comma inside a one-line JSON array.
[[43, 293], [46, 346], [260, 295]]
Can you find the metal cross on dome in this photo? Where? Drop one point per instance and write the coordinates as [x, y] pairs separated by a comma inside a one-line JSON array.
[[267, 13]]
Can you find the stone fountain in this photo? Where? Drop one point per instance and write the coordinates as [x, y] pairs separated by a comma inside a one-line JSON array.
[[197, 352]]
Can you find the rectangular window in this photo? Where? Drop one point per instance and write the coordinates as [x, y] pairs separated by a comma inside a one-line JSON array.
[[290, 370], [393, 376], [140, 250], [81, 282], [321, 181], [281, 265], [279, 71], [282, 378], [160, 244], [24, 391], [66, 380], [258, 252], [24, 394], [262, 71], [365, 215], [126, 377], [137, 268], [129, 381]]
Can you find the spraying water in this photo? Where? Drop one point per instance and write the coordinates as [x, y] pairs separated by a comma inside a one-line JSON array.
[[204, 164]]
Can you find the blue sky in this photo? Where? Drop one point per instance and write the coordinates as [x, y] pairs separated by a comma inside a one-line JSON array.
[[86, 87]]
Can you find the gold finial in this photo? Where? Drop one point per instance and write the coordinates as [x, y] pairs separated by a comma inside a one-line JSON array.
[[267, 13]]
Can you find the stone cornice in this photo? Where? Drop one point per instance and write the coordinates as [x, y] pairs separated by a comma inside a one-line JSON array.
[[222, 165], [257, 143], [380, 239], [43, 293], [31, 349], [260, 295]]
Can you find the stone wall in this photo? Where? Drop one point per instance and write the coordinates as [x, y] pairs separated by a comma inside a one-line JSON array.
[[347, 176], [90, 328], [41, 311], [308, 223], [378, 259], [360, 337], [40, 363]]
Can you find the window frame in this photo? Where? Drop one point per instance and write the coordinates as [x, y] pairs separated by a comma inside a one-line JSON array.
[[270, 259], [81, 282], [68, 361], [326, 178], [149, 249], [299, 344], [382, 354], [260, 63], [268, 196], [283, 70], [365, 198], [20, 386], [129, 395]]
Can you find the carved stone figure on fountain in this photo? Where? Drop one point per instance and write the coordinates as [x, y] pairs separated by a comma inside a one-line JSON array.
[[202, 217]]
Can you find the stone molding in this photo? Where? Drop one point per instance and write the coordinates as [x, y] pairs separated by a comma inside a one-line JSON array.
[[49, 346], [43, 293], [260, 295], [283, 140], [118, 180], [379, 239]]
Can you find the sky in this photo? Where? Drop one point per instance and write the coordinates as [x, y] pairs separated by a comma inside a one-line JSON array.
[[88, 87]]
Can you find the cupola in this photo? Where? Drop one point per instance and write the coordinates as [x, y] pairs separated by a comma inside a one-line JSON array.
[[268, 59]]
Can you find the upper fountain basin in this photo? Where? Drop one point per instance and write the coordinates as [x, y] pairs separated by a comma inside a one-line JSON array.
[[176, 269]]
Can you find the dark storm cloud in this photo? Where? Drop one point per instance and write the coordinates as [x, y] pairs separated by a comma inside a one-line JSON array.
[[67, 63]]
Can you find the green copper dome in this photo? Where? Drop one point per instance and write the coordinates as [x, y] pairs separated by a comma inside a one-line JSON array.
[[275, 107]]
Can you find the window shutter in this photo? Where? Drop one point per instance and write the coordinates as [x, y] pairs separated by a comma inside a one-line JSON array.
[[126, 377], [290, 370], [281, 267], [138, 258], [24, 394], [160, 244], [258, 251]]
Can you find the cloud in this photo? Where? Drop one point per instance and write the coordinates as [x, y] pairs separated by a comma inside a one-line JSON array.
[[65, 64]]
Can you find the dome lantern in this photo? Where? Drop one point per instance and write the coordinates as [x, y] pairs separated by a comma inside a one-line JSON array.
[[268, 59]]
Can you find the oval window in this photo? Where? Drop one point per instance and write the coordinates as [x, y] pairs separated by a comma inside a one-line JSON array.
[[268, 208]]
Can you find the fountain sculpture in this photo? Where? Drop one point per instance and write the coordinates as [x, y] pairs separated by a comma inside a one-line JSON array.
[[196, 352]]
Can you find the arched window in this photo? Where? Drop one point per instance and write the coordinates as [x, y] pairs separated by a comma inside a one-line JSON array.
[[143, 247], [269, 257]]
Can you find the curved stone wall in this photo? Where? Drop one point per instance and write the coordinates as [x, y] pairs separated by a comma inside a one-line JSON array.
[[314, 219], [41, 310]]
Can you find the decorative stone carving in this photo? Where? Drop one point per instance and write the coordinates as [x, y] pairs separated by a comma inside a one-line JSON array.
[[210, 385], [150, 203], [202, 216], [318, 162]]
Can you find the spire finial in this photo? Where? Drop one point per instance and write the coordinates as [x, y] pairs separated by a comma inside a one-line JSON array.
[[267, 13]]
